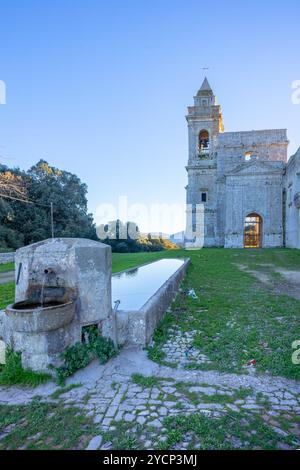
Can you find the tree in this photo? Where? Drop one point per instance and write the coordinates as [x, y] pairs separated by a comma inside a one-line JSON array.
[[11, 183], [44, 184]]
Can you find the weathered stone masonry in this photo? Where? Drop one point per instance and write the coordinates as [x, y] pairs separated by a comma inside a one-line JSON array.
[[234, 174]]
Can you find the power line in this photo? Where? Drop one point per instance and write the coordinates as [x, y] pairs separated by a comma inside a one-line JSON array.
[[28, 201], [16, 199]]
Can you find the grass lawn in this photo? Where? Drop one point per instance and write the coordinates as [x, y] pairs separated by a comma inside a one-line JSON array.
[[237, 318], [243, 431], [12, 373], [7, 267], [7, 294], [44, 426]]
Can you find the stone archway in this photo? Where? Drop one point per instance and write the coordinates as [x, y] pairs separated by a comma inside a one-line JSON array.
[[253, 231]]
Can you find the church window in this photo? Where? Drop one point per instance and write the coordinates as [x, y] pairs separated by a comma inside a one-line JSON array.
[[204, 197], [203, 140]]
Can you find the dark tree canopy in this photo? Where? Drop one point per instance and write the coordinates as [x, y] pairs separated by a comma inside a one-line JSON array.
[[24, 223]]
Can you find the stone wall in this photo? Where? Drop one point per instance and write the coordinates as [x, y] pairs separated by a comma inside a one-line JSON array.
[[292, 202], [7, 257], [259, 192], [265, 145], [251, 186]]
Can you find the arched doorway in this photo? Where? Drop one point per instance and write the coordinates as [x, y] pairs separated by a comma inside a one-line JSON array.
[[253, 231]]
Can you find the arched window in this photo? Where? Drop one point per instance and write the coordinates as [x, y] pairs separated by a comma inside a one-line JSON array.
[[203, 140], [253, 231]]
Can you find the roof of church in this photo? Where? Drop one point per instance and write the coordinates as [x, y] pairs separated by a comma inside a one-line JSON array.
[[205, 87]]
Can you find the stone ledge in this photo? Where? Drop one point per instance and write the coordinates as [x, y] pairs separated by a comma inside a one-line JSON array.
[[137, 327]]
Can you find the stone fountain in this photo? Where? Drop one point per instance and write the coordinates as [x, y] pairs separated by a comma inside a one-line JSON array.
[[62, 285]]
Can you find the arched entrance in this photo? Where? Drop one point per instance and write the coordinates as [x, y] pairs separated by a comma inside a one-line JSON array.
[[253, 231]]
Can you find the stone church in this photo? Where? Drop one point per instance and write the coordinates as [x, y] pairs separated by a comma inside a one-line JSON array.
[[242, 190]]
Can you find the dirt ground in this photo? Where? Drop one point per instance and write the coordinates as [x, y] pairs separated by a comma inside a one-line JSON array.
[[285, 282]]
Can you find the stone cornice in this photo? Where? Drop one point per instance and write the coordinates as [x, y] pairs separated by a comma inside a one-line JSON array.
[[221, 146], [198, 167]]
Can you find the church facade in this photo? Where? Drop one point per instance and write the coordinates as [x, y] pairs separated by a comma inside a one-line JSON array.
[[242, 190]]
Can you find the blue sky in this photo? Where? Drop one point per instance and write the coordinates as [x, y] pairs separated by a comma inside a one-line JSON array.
[[100, 88]]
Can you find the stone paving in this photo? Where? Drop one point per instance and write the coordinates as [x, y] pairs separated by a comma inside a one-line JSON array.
[[110, 395], [179, 348]]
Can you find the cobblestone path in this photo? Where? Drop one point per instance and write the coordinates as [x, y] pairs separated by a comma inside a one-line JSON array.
[[112, 393]]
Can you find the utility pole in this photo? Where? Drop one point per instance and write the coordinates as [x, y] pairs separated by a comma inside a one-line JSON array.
[[52, 225]]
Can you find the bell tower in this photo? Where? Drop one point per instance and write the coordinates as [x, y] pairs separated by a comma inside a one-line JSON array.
[[205, 123]]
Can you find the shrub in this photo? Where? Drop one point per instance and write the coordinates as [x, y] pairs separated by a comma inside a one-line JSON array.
[[122, 247], [79, 355], [104, 349], [12, 373], [75, 357]]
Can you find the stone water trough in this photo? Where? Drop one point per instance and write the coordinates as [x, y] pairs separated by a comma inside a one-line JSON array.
[[142, 296], [65, 284]]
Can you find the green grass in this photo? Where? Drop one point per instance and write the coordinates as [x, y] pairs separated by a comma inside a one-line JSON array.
[[242, 430], [124, 437], [7, 267], [146, 382], [280, 257], [7, 294], [60, 391], [45, 426], [233, 430], [263, 400], [201, 397], [234, 314], [12, 373]]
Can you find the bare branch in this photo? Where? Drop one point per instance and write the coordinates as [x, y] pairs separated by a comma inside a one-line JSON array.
[[12, 185]]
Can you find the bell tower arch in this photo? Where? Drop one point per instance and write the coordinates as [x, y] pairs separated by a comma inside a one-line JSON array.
[[205, 123]]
